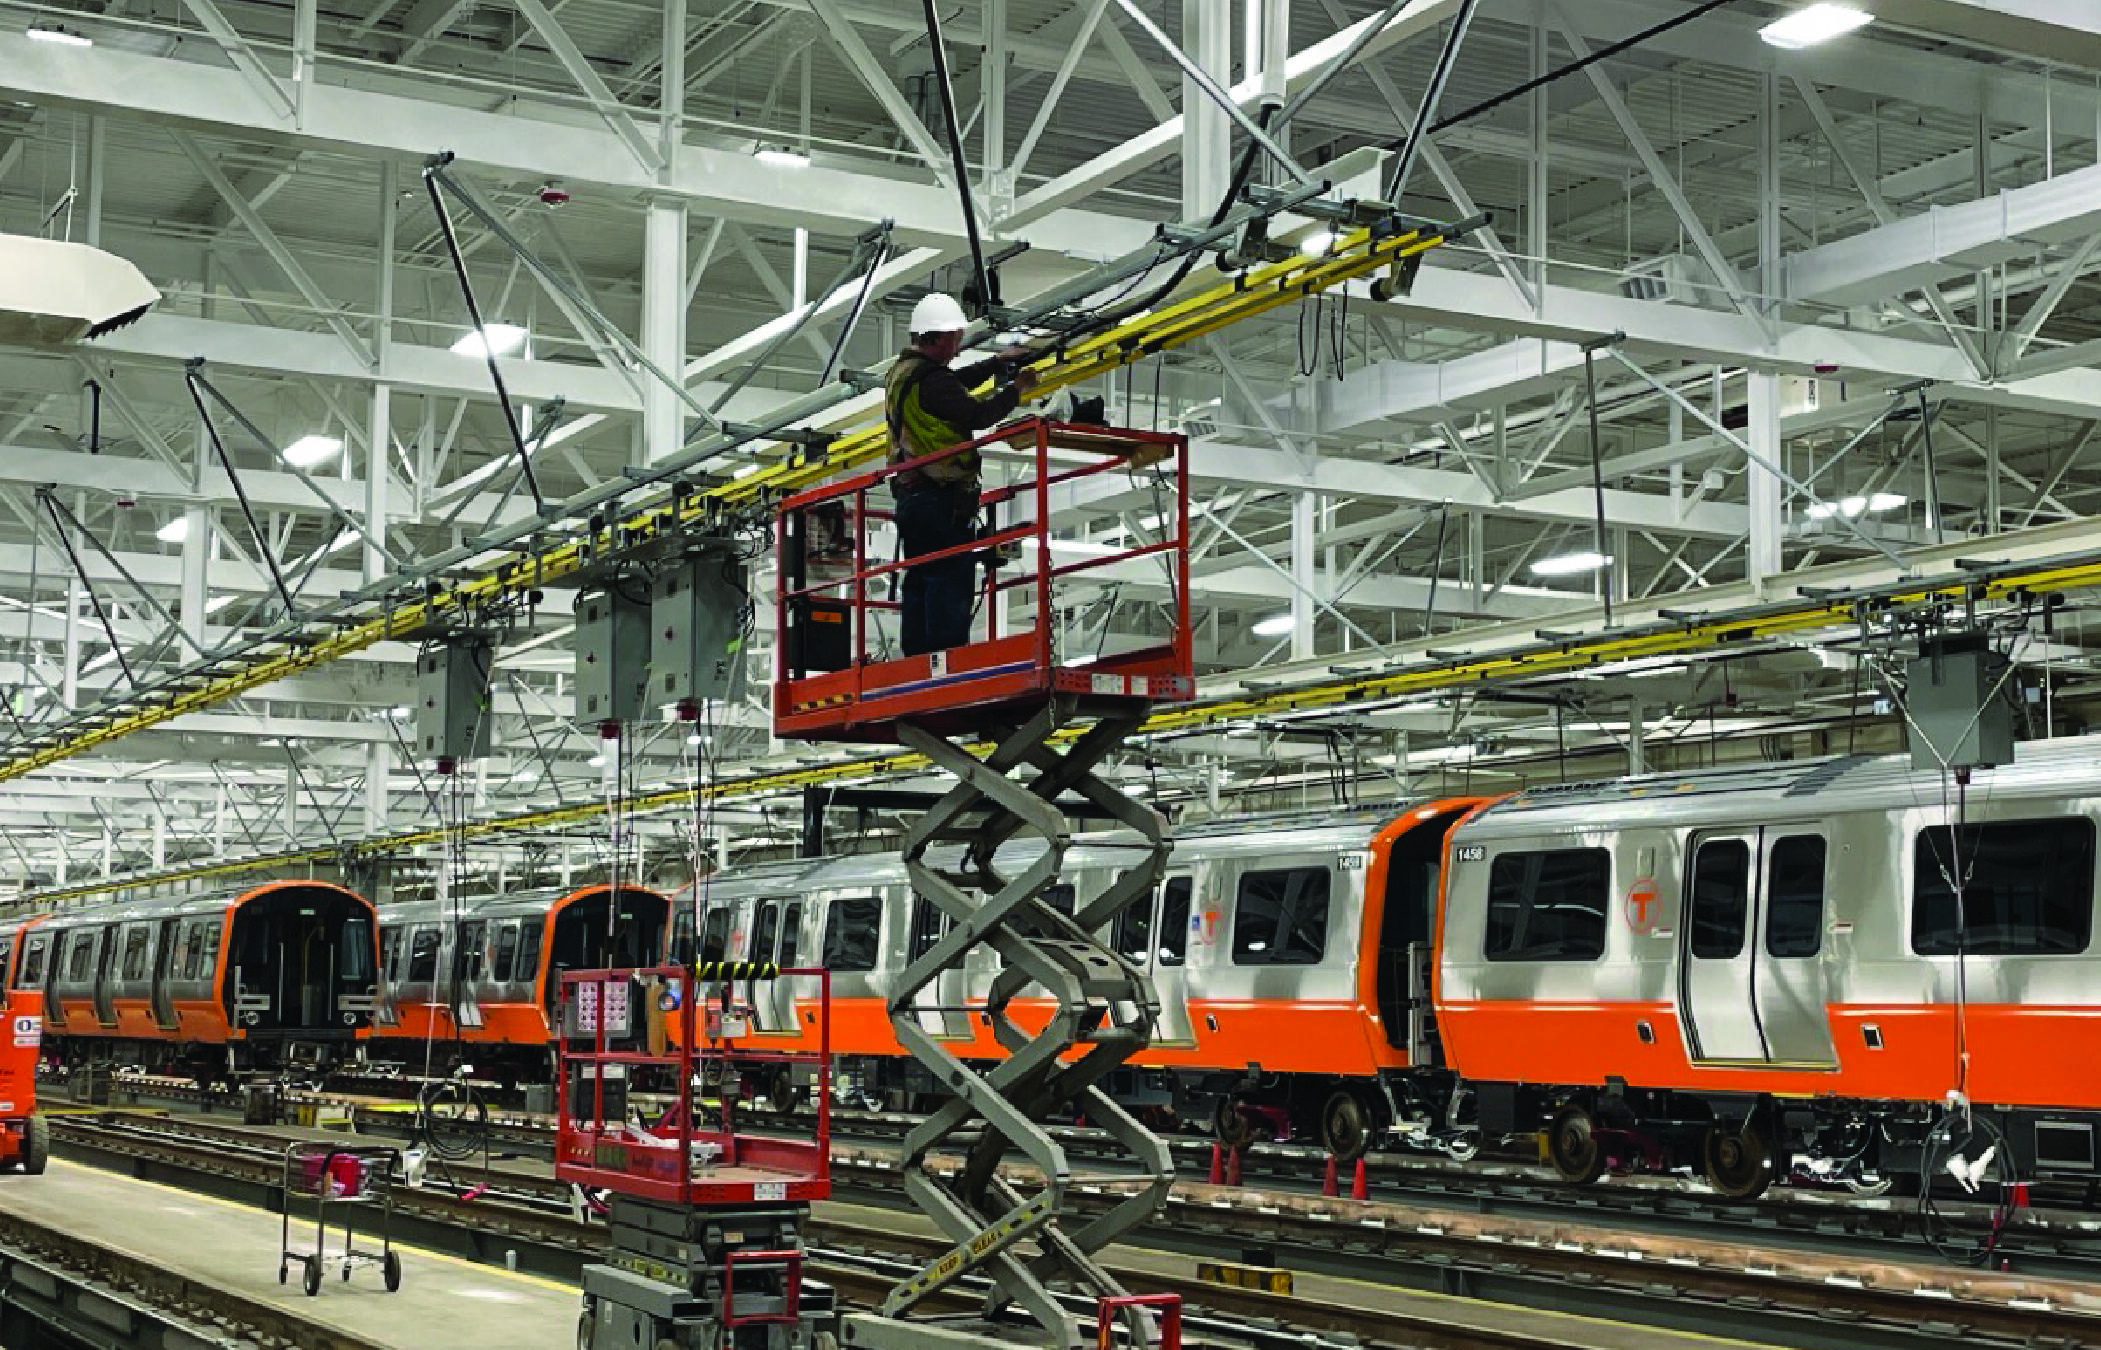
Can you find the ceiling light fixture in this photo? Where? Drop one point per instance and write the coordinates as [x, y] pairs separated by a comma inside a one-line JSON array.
[[175, 531], [312, 449], [503, 339], [781, 157], [60, 34], [1277, 625], [1813, 24], [1569, 564], [1856, 506], [1318, 243]]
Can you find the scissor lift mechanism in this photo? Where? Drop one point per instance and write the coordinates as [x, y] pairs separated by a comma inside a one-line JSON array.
[[1051, 718]]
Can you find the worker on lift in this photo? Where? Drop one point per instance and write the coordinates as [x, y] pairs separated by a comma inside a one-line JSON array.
[[930, 408]]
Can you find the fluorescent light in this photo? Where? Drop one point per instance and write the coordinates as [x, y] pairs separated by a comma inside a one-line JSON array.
[[504, 338], [781, 157], [175, 531], [697, 739], [310, 450], [1813, 24], [402, 712], [1856, 506], [1569, 564], [1318, 243], [58, 33], [598, 761], [1277, 625]]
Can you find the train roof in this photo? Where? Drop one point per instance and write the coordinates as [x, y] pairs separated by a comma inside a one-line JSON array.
[[2041, 770], [510, 904], [161, 906]]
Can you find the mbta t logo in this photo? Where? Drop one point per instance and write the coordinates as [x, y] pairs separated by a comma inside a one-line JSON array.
[[1644, 907]]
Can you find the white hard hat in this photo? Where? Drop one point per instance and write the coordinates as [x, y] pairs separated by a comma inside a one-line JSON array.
[[938, 313]]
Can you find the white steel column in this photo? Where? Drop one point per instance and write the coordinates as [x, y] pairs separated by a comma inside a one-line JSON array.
[[381, 439], [71, 680], [196, 545], [379, 767], [1762, 559], [1207, 149], [1304, 512], [1637, 740], [663, 326]]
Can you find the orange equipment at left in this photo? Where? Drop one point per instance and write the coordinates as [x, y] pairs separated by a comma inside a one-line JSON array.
[[25, 1136]]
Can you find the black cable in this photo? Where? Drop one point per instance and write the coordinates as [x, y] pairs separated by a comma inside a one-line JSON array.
[[109, 631], [1597, 480], [1519, 91], [986, 298], [262, 541], [503, 393]]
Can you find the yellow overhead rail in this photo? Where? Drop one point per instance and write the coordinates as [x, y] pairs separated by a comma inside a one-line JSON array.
[[1692, 638], [1253, 292]]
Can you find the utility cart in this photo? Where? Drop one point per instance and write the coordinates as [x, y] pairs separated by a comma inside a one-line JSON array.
[[344, 1179], [705, 1242]]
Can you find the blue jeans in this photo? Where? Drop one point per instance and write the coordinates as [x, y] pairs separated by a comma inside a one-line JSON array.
[[937, 595]]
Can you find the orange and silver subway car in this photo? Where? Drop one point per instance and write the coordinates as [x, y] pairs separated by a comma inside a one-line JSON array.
[[1291, 956], [278, 975], [1783, 972], [475, 981]]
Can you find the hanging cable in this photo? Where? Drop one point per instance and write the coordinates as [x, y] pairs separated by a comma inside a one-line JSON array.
[[981, 276], [1606, 567], [481, 333]]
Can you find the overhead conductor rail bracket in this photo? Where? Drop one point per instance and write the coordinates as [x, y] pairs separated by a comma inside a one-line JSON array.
[[1024, 721]]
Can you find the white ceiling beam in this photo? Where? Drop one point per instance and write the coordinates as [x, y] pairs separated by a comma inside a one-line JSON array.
[[1948, 241], [1483, 302]]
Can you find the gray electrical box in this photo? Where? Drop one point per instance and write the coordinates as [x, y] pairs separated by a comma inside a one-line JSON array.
[[697, 617], [452, 697], [612, 655], [1959, 713]]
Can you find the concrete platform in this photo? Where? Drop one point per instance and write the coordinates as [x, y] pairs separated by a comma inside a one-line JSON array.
[[443, 1301]]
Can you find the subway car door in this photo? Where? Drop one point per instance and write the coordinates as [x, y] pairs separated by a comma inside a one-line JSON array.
[[1719, 950], [164, 972], [1792, 998]]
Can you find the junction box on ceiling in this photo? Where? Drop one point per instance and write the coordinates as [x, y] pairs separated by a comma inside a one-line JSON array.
[[612, 652], [697, 622], [452, 698], [1958, 715]]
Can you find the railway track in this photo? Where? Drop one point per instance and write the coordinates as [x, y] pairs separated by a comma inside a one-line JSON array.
[[1789, 1294]]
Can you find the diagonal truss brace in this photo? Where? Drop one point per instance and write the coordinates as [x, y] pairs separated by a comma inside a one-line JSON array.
[[1103, 1011]]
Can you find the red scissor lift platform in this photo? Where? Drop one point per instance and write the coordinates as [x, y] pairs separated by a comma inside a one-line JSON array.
[[1056, 681], [840, 679], [705, 1220]]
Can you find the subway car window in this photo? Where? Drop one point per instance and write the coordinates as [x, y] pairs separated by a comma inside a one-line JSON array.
[[357, 949], [791, 935], [466, 951], [715, 934], [528, 965], [852, 932], [928, 924], [765, 934], [506, 953], [1794, 897], [2028, 888], [135, 941], [1174, 921], [80, 956], [1721, 897], [208, 950], [423, 956], [1280, 918], [1132, 934], [33, 961], [1549, 905]]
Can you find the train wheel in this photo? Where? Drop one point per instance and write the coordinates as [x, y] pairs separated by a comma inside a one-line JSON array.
[[1345, 1126], [1739, 1165], [36, 1144], [1573, 1148], [1230, 1125]]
